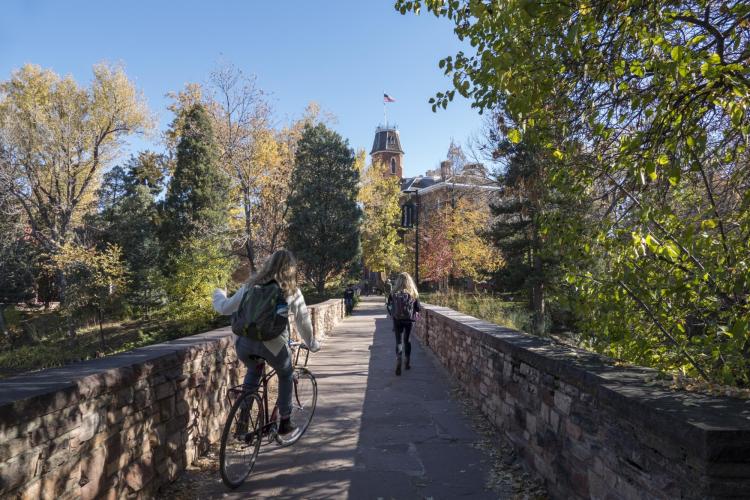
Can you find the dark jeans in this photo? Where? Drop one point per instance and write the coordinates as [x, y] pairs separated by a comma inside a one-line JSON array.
[[254, 354], [402, 327]]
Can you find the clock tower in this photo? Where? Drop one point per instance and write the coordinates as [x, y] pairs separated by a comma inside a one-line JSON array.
[[386, 149]]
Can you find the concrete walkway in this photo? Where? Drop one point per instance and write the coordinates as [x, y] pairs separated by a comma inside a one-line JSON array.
[[374, 435]]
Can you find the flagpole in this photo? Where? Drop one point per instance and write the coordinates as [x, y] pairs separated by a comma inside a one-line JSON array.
[[385, 115]]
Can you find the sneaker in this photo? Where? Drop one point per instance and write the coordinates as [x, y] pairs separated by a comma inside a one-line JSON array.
[[286, 426], [408, 365], [398, 365]]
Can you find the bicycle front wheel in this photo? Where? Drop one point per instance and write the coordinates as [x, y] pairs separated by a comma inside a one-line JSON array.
[[241, 439], [304, 399]]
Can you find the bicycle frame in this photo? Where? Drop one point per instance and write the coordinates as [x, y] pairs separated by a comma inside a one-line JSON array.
[[266, 376]]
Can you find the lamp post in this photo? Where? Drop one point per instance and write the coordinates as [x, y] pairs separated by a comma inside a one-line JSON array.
[[409, 217]]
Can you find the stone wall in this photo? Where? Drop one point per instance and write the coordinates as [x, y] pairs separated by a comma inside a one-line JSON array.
[[121, 426], [589, 428]]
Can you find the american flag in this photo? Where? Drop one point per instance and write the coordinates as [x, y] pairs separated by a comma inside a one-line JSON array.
[[387, 98]]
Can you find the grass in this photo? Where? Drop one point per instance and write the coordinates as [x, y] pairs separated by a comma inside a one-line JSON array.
[[37, 339], [54, 348], [493, 308]]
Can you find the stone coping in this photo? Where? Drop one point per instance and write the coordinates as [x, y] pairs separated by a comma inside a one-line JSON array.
[[716, 429], [30, 395], [34, 394]]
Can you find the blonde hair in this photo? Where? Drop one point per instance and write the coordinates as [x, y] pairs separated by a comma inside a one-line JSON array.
[[406, 284], [280, 267]]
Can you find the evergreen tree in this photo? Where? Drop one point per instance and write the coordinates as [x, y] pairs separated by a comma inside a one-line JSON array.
[[131, 221], [324, 221], [527, 207], [196, 203], [517, 223], [17, 266]]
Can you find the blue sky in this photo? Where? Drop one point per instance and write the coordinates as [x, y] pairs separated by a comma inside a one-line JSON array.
[[341, 54]]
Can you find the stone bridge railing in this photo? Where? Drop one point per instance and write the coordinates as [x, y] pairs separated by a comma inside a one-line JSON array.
[[124, 425], [591, 429]]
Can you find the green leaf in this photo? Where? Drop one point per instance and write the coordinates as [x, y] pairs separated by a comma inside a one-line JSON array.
[[672, 249]]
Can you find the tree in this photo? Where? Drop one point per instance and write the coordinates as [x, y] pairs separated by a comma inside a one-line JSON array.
[[57, 139], [523, 212], [197, 269], [131, 221], [324, 217], [380, 194], [17, 258], [456, 157], [270, 216], [658, 93], [246, 144], [454, 245], [197, 197], [95, 279]]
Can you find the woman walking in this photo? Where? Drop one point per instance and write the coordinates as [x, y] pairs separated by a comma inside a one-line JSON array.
[[281, 269], [403, 305]]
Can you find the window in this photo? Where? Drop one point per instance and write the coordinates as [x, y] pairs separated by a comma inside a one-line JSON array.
[[393, 166]]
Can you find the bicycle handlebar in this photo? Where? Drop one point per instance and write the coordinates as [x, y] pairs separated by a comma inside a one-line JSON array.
[[301, 345]]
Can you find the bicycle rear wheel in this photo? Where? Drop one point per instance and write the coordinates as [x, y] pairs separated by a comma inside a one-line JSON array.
[[241, 439], [304, 399]]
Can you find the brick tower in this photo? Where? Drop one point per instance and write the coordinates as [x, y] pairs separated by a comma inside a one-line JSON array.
[[386, 148]]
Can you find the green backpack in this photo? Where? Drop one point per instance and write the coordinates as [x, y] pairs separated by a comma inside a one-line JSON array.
[[262, 314]]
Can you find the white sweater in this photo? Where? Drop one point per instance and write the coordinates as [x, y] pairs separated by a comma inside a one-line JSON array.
[[297, 307]]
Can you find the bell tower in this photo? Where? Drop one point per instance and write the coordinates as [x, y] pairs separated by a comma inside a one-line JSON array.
[[386, 149]]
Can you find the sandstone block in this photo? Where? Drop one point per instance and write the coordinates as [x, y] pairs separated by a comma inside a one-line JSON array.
[[562, 402]]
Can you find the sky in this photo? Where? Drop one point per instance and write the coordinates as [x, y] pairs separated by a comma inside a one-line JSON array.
[[341, 54]]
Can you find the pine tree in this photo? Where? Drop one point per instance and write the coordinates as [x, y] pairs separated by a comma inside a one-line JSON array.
[[197, 197], [514, 214], [324, 221], [526, 207], [130, 220]]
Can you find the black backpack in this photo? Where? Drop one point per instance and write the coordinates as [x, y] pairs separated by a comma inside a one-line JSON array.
[[258, 315], [402, 306]]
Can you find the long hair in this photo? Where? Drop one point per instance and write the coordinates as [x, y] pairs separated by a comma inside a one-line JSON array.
[[281, 267], [404, 283]]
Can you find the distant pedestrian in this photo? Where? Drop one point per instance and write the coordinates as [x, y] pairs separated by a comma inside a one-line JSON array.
[[403, 306], [349, 299]]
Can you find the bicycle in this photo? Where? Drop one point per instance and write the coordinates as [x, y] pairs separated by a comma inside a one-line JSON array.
[[247, 425]]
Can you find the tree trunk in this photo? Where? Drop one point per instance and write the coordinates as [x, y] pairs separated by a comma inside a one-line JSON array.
[[320, 282], [248, 229], [537, 290], [101, 328], [3, 328], [62, 284]]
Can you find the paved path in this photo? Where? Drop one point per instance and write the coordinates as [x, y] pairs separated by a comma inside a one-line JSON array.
[[374, 435]]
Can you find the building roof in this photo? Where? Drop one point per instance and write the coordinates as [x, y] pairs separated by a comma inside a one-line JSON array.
[[419, 182], [426, 184], [386, 139]]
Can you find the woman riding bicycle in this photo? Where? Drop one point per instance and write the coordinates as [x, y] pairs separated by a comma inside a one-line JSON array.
[[280, 267]]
